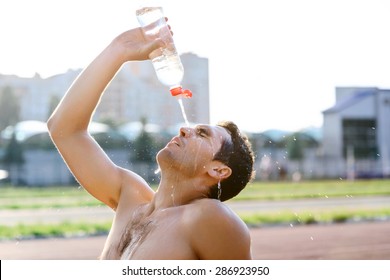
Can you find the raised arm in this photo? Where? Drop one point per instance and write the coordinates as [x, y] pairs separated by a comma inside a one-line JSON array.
[[68, 125]]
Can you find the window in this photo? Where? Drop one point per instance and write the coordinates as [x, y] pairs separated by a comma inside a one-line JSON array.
[[360, 134]]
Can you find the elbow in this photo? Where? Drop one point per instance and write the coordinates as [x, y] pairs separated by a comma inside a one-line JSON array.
[[49, 124], [53, 128], [60, 128]]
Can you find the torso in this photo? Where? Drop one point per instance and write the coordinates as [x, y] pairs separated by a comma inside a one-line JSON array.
[[169, 233], [160, 235]]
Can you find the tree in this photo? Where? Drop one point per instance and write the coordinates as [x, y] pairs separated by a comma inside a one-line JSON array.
[[14, 159], [144, 146], [295, 147], [9, 108]]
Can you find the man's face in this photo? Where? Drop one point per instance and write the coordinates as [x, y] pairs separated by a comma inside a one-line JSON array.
[[194, 148]]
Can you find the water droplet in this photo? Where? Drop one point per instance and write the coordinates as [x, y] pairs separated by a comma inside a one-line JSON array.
[[291, 225], [326, 196], [311, 237]]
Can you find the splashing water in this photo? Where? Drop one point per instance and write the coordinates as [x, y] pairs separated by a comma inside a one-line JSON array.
[[183, 112]]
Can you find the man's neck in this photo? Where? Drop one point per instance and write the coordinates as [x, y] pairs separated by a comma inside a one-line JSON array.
[[176, 191]]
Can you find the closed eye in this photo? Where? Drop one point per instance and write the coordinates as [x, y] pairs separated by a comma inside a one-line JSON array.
[[202, 132]]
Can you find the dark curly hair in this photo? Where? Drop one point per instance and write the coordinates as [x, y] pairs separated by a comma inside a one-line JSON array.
[[238, 155]]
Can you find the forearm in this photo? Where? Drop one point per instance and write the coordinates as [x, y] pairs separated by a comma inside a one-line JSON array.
[[69, 123], [75, 110]]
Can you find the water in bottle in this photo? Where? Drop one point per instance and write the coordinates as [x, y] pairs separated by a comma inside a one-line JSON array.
[[166, 61]]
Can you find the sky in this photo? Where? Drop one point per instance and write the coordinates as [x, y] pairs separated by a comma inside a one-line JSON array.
[[272, 64]]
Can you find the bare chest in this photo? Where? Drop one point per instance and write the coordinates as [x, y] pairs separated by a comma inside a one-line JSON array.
[[159, 236]]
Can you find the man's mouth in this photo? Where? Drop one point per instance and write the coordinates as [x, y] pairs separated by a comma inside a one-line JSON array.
[[175, 141]]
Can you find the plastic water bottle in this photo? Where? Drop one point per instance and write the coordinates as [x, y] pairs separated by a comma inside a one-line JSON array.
[[166, 61]]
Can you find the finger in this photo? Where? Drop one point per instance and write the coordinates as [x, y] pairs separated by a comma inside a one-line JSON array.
[[170, 30]]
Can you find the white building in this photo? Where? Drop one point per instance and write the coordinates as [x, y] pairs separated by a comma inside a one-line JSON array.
[[354, 141], [134, 93], [356, 133]]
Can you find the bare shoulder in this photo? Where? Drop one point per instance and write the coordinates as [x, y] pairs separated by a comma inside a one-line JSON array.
[[134, 190], [217, 232]]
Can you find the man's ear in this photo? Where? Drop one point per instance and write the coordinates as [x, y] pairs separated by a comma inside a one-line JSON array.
[[220, 171]]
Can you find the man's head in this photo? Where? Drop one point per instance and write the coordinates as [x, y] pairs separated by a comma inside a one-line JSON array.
[[213, 153], [237, 154]]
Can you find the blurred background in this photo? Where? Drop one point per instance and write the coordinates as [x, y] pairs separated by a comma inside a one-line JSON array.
[[307, 81]]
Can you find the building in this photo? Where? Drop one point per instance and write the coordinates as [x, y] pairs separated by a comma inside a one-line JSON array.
[[133, 94], [136, 93], [356, 133], [36, 94], [354, 141]]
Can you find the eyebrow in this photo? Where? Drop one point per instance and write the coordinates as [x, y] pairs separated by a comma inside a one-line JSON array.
[[203, 129]]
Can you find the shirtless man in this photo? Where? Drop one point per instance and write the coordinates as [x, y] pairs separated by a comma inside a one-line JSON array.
[[200, 167]]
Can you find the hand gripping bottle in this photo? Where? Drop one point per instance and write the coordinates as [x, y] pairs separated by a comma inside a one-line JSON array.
[[166, 61]]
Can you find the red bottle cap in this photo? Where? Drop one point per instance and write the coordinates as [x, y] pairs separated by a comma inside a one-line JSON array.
[[179, 91]]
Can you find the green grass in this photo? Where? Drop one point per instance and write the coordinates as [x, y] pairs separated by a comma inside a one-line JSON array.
[[53, 230], [14, 198], [49, 204], [314, 189], [313, 217], [75, 196], [42, 192]]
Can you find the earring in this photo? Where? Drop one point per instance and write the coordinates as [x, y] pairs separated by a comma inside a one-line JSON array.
[[219, 190]]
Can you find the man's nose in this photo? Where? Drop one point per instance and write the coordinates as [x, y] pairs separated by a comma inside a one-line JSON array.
[[185, 131]]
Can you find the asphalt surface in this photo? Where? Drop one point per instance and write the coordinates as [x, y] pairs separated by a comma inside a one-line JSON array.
[[350, 241]]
